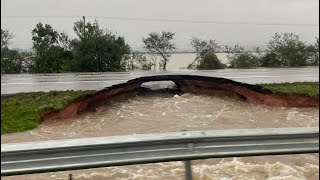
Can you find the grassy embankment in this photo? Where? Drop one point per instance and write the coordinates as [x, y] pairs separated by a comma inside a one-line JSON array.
[[23, 111], [297, 88]]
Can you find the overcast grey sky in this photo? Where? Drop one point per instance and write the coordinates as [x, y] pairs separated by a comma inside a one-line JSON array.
[[248, 22]]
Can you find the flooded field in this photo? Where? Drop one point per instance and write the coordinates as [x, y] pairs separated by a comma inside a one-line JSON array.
[[15, 83], [156, 113]]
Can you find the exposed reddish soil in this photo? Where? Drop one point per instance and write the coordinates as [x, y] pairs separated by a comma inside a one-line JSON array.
[[186, 84], [251, 96]]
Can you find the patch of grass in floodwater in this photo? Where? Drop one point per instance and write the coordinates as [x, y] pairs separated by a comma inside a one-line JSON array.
[[23, 111], [297, 88]]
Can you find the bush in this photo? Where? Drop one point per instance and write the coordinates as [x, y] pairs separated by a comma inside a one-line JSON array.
[[290, 50], [202, 48], [244, 60], [270, 60], [139, 61], [314, 59], [210, 61]]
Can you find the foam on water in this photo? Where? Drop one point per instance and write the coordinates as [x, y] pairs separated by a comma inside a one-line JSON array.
[[231, 169], [169, 112]]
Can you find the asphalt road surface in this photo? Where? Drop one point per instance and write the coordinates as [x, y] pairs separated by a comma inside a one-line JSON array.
[[15, 83]]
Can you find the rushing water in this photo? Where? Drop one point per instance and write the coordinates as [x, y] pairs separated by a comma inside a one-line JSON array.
[[155, 113]]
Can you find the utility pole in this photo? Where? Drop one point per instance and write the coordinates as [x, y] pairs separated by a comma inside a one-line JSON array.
[[84, 26]]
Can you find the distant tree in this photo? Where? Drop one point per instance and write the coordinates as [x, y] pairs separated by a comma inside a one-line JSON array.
[[289, 50], [152, 58], [27, 61], [51, 49], [64, 41], [12, 61], [160, 44], [245, 60], [6, 36], [98, 50], [202, 48], [210, 61], [44, 37], [270, 59], [314, 57], [139, 61], [239, 58]]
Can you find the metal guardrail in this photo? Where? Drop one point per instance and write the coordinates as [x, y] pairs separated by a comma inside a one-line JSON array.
[[72, 154]]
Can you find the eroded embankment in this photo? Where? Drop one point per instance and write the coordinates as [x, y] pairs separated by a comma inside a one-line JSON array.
[[186, 84]]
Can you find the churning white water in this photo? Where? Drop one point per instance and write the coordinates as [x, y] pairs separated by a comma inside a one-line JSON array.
[[155, 113]]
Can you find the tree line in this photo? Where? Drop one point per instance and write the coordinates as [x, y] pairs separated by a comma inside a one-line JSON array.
[[284, 50], [95, 49]]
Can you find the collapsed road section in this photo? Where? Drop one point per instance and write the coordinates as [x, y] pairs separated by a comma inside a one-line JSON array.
[[185, 84]]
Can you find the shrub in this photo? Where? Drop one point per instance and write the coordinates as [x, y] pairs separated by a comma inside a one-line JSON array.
[[210, 61], [244, 60], [289, 49], [270, 60]]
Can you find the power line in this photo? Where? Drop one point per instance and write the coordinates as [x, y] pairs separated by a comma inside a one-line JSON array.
[[141, 44], [173, 20]]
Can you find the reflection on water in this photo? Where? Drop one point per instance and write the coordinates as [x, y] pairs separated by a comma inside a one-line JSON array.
[[14, 83], [167, 112]]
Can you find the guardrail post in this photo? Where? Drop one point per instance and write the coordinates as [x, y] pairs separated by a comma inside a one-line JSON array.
[[188, 170]]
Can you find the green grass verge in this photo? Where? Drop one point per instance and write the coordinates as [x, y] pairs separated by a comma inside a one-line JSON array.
[[296, 88], [23, 111]]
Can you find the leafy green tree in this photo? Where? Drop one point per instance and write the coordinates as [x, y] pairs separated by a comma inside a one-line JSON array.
[[98, 50], [202, 48], [289, 50], [210, 61], [44, 37], [160, 44], [239, 58], [50, 48]]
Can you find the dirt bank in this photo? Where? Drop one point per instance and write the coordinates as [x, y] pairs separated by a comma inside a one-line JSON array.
[[185, 84]]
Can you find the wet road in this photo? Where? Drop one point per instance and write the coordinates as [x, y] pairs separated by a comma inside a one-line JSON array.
[[11, 84]]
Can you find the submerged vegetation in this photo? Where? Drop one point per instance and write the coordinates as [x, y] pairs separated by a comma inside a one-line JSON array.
[[284, 50], [23, 111], [95, 49]]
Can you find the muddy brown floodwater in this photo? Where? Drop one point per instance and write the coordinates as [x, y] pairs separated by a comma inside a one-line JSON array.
[[159, 113]]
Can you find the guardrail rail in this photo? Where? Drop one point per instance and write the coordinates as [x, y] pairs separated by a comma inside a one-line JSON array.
[[73, 154]]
